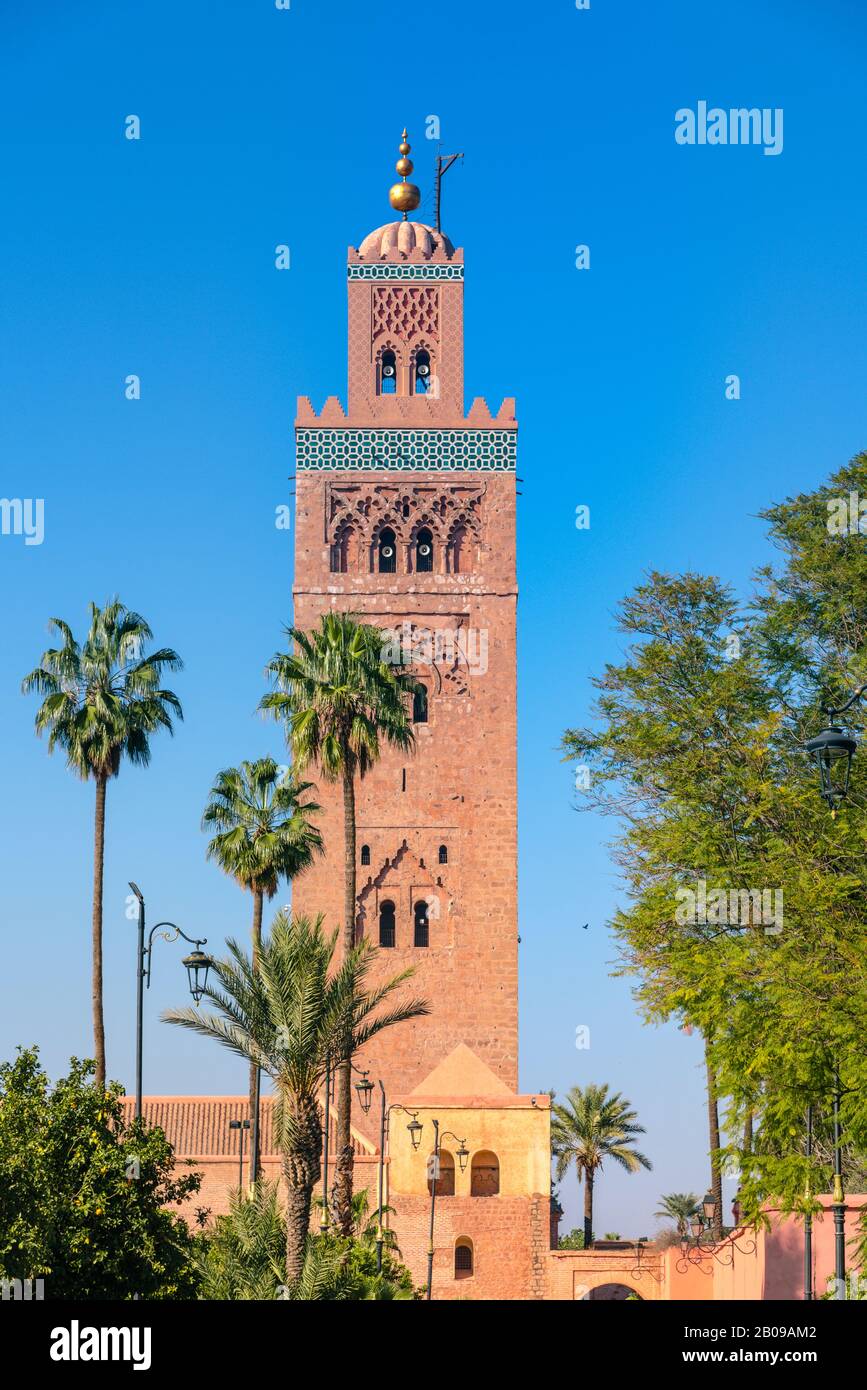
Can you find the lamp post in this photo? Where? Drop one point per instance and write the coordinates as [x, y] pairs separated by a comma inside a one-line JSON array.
[[197, 965], [463, 1154], [365, 1089], [808, 1218], [240, 1125], [833, 750]]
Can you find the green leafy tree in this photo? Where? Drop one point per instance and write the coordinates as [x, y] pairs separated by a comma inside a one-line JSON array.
[[288, 1017], [698, 749], [589, 1127], [679, 1207], [340, 702], [83, 1199], [265, 833], [243, 1257], [103, 700]]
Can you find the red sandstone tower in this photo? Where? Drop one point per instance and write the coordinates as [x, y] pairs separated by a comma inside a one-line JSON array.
[[406, 517]]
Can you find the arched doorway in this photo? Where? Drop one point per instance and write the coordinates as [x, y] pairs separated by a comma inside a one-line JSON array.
[[613, 1293]]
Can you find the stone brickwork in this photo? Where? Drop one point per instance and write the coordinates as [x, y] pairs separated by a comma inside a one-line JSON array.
[[455, 797]]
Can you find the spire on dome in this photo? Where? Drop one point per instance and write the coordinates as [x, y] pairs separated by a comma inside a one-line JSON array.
[[404, 197]]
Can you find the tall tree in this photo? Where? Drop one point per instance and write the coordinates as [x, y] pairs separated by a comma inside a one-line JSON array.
[[679, 1207], [264, 834], [102, 701], [589, 1127], [288, 1017], [341, 700]]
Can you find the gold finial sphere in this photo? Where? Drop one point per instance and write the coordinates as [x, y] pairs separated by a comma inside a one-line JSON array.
[[404, 197]]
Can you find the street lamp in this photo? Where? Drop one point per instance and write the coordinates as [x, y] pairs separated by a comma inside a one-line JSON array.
[[833, 750], [415, 1131], [241, 1125], [197, 964], [463, 1154]]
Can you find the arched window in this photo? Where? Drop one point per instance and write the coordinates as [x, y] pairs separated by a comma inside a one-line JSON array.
[[343, 551], [419, 705], [424, 551], [388, 374], [445, 1178], [444, 854], [422, 378], [387, 551], [457, 556], [463, 1258], [485, 1175], [421, 932], [365, 854], [386, 924]]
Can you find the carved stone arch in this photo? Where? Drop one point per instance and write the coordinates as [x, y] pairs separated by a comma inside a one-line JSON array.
[[462, 546], [346, 546]]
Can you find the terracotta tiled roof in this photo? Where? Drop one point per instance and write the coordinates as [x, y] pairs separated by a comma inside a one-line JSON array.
[[198, 1126]]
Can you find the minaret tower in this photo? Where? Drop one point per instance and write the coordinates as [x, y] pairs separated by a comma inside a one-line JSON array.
[[406, 517]]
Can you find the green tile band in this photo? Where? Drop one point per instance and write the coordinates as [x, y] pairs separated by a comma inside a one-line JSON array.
[[406, 272], [406, 450]]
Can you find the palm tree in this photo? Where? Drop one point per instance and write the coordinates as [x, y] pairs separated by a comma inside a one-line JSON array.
[[340, 700], [102, 702], [679, 1207], [287, 1018], [590, 1127], [264, 834]]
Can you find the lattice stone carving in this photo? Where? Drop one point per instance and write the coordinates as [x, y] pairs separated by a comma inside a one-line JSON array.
[[406, 312]]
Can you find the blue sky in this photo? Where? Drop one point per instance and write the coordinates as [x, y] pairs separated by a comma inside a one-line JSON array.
[[156, 257]]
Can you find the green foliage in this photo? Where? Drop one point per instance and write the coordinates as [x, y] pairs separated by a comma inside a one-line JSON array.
[[82, 1199], [103, 698], [243, 1257], [573, 1241], [698, 750], [679, 1207], [296, 1010], [592, 1126], [263, 824], [338, 697]]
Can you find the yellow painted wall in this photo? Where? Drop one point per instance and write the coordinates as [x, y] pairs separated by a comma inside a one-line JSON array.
[[520, 1136]]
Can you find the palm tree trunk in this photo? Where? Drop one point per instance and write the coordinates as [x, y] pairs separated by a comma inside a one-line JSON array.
[[301, 1173], [341, 1190], [714, 1135], [96, 931], [255, 1165], [588, 1208]]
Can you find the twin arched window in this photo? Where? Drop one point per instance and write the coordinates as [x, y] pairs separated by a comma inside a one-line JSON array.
[[387, 923]]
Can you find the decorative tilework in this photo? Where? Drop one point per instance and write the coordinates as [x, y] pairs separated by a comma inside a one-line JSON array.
[[406, 450], [406, 272]]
